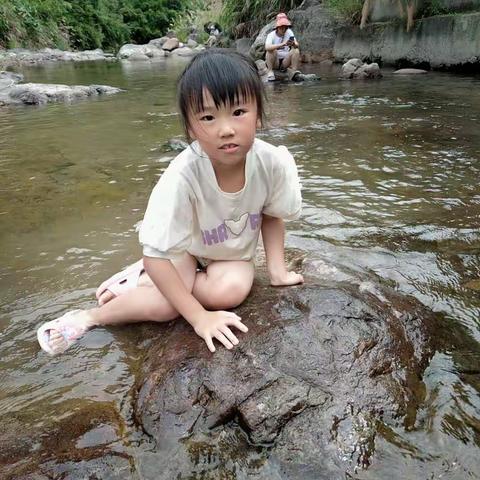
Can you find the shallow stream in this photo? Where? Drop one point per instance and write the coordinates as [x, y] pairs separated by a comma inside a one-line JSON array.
[[390, 173]]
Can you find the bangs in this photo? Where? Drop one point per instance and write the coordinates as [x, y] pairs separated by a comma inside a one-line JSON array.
[[229, 77], [227, 92]]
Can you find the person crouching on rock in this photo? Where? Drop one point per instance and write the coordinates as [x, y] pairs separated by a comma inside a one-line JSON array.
[[204, 217], [282, 49]]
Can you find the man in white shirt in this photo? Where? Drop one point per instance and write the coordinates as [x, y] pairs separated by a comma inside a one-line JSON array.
[[281, 48]]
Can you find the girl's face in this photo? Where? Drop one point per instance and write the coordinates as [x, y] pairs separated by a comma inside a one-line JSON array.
[[225, 133]]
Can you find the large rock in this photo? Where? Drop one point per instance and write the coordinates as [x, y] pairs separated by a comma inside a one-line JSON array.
[[355, 69], [20, 56], [171, 44], [158, 42], [321, 372], [328, 380], [243, 45], [184, 52], [40, 93], [383, 11], [316, 28], [140, 52], [257, 50]]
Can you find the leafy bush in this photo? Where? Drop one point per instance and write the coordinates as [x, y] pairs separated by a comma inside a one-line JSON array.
[[254, 14], [349, 9], [28, 23], [96, 24], [199, 13], [86, 24]]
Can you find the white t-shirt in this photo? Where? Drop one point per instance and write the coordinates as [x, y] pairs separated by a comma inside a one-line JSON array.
[[274, 39], [187, 211]]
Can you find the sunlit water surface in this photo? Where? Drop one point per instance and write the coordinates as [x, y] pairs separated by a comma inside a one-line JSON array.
[[390, 172]]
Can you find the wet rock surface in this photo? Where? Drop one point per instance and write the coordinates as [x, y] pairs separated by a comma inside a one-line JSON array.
[[8, 79], [321, 371], [410, 71], [356, 69], [175, 145], [12, 92], [20, 56], [140, 52], [282, 75], [86, 444]]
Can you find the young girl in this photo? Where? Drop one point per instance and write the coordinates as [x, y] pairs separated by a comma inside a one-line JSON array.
[[204, 216]]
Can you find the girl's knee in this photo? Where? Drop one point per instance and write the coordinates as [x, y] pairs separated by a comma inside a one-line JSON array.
[[229, 292]]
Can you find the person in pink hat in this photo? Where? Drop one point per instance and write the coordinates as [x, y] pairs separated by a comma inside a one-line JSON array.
[[282, 49]]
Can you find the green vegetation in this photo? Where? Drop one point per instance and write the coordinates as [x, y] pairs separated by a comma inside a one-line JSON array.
[[24, 23], [348, 9], [202, 12], [86, 24], [252, 15]]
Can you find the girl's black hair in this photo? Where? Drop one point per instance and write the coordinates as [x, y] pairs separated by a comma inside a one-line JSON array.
[[226, 75]]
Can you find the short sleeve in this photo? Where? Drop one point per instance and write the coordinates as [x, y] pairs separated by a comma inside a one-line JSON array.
[[285, 197], [269, 39], [166, 230]]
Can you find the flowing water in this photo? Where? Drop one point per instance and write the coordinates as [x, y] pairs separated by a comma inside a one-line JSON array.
[[390, 172]]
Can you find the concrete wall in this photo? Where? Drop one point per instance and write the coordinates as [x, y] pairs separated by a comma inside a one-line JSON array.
[[443, 42], [383, 10]]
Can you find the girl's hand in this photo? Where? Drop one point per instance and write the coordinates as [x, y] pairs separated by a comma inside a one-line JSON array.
[[285, 279], [210, 325]]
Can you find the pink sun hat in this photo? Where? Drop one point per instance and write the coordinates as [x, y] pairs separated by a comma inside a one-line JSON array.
[[282, 21]]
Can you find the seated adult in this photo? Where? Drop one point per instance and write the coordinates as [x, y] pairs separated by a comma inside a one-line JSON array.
[[281, 48], [213, 30]]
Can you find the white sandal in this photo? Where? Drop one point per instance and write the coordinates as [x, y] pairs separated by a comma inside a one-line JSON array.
[[71, 326]]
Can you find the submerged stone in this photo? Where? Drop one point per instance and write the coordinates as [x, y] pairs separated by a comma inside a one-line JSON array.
[[409, 71], [175, 145]]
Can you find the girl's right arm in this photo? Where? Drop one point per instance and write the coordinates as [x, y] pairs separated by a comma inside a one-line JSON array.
[[206, 324]]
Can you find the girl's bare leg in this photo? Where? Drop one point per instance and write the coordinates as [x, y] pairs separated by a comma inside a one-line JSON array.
[[145, 302], [224, 285], [139, 304]]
